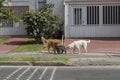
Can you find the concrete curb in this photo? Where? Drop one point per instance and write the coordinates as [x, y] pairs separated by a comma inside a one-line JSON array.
[[75, 63], [94, 62], [27, 63]]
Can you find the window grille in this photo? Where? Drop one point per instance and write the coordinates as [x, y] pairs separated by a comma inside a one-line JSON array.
[[111, 14], [6, 23], [17, 11], [92, 14], [77, 16]]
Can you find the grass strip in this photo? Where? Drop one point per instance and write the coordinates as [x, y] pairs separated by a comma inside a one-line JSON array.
[[33, 59], [28, 46], [2, 40]]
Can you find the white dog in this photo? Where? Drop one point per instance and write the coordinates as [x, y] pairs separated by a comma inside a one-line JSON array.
[[78, 44]]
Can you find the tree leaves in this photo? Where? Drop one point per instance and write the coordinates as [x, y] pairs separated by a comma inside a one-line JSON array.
[[7, 13], [41, 22]]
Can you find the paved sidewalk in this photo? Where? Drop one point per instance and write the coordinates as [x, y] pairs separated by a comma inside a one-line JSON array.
[[100, 45], [11, 43]]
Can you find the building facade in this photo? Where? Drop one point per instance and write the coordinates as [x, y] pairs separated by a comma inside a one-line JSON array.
[[82, 18], [19, 7], [92, 18]]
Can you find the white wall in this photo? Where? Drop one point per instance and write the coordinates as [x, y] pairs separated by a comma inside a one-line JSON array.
[[58, 8], [89, 30], [95, 31], [30, 3]]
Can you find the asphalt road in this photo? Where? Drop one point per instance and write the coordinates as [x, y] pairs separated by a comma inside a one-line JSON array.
[[60, 73]]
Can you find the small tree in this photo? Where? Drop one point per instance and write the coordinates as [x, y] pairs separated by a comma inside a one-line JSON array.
[[41, 22], [6, 13]]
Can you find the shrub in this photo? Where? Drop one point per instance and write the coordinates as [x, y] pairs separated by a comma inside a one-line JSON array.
[[41, 22]]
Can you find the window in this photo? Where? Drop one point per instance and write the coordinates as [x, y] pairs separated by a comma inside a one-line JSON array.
[[17, 11], [92, 14], [77, 16], [88, 15], [111, 14], [6, 23], [41, 2]]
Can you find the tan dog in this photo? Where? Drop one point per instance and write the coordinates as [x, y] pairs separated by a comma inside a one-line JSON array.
[[51, 43]]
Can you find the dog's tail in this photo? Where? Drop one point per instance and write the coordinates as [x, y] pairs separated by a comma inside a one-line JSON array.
[[62, 39], [88, 41]]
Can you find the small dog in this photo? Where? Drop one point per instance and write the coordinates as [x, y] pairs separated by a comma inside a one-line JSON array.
[[51, 43], [60, 49], [78, 44]]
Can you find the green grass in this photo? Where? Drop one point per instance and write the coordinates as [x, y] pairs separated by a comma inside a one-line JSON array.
[[28, 46], [31, 46], [32, 59], [2, 40]]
